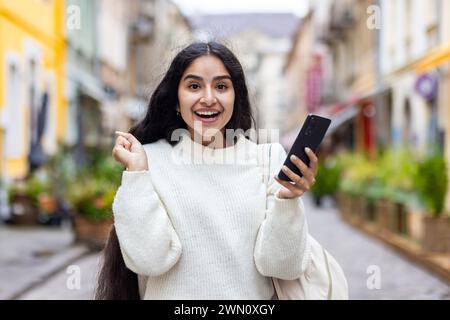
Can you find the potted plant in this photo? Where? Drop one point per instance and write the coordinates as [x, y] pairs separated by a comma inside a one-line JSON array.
[[327, 180], [25, 197], [393, 189], [356, 179], [91, 195], [431, 182], [401, 179], [60, 169], [44, 193], [375, 193], [91, 203]]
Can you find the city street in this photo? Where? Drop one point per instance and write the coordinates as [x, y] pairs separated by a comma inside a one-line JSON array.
[[30, 257], [90, 88], [355, 251]]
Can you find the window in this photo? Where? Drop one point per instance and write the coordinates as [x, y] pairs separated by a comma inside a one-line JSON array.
[[32, 100], [13, 114]]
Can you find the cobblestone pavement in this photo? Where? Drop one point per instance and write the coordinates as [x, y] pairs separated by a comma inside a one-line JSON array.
[[355, 251], [63, 286], [30, 255]]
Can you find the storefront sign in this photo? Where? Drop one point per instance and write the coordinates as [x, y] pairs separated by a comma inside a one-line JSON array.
[[426, 86]]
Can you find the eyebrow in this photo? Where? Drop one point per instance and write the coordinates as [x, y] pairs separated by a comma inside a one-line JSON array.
[[191, 76]]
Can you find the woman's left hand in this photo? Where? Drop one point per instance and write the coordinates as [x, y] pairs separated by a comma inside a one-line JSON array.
[[300, 185]]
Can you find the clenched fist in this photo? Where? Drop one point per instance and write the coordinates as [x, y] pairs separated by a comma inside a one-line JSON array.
[[130, 152]]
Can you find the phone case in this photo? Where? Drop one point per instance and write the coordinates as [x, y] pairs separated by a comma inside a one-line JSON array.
[[311, 135]]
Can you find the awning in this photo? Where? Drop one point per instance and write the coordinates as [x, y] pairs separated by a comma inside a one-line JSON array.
[[434, 58], [85, 82], [339, 114], [342, 117]]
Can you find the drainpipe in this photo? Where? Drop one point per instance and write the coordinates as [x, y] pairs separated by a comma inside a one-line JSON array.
[[440, 127], [378, 99]]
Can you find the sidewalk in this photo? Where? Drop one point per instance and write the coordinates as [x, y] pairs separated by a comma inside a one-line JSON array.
[[56, 287], [435, 262], [29, 256], [357, 253]]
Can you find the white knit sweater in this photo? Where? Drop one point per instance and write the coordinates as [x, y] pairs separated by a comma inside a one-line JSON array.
[[193, 230]]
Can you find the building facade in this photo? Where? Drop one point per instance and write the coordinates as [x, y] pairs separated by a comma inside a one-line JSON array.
[[84, 86], [33, 102], [138, 40], [330, 71], [415, 60], [384, 78]]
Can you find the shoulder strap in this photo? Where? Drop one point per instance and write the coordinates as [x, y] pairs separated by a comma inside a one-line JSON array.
[[264, 159]]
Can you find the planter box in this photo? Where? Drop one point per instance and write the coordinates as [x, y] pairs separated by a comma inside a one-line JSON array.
[[436, 234], [339, 196], [23, 211], [359, 210], [370, 212], [383, 214], [366, 210], [350, 208], [415, 223], [93, 233], [345, 206], [399, 221]]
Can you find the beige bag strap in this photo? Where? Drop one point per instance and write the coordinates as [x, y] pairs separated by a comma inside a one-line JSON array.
[[330, 279], [264, 159]]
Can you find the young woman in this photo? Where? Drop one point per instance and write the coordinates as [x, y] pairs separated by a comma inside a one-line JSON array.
[[206, 229]]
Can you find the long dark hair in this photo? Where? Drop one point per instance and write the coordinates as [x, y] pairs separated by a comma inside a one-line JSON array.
[[116, 281]]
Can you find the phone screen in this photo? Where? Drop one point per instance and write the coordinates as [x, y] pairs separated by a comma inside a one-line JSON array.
[[311, 135]]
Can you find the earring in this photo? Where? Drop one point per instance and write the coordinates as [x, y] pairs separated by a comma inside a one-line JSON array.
[[178, 113]]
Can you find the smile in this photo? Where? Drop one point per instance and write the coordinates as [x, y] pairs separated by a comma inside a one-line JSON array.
[[207, 116]]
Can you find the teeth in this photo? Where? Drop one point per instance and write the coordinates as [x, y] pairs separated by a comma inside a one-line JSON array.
[[207, 113]]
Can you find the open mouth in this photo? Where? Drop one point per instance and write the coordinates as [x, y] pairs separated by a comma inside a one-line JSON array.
[[207, 115]]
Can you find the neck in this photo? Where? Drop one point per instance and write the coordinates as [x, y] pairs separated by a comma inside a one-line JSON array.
[[216, 141]]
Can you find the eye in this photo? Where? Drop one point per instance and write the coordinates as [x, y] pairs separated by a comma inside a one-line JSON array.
[[222, 87], [194, 86]]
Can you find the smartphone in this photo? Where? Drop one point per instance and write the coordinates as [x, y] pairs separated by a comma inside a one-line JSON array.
[[311, 135]]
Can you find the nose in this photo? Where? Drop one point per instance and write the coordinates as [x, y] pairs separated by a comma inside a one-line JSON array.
[[208, 99]]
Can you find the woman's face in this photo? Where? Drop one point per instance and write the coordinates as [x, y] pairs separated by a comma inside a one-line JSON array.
[[206, 97]]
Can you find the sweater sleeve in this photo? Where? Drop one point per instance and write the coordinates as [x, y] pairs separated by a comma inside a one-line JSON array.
[[148, 241], [281, 248]]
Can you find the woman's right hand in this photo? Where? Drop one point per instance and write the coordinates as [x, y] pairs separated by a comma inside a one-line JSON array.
[[130, 152]]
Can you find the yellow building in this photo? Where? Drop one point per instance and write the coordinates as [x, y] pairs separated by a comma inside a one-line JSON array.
[[32, 59]]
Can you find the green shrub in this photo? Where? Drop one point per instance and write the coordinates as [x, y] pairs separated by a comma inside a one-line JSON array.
[[390, 176], [357, 173], [431, 181], [91, 192], [327, 178], [37, 184]]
